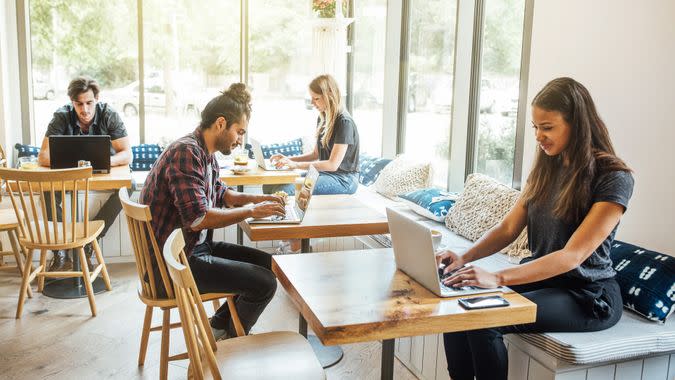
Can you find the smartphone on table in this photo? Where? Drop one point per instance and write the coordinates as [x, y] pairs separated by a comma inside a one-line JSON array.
[[483, 302]]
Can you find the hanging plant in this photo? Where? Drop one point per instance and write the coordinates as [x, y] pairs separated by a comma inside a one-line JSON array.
[[326, 8]]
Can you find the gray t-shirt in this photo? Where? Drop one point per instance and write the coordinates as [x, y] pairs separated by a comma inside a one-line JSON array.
[[106, 122], [344, 132], [547, 233]]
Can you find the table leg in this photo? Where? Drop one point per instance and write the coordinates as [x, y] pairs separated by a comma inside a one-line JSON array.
[[240, 233], [328, 355], [387, 370], [67, 288]]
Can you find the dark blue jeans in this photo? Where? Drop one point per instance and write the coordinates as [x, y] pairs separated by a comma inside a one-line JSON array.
[[560, 308], [328, 183], [220, 267]]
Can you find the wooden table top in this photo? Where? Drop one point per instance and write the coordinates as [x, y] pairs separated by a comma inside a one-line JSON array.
[[119, 176], [359, 296], [258, 176], [327, 216]]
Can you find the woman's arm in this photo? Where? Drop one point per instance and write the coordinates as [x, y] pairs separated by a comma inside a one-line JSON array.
[[594, 229], [311, 156], [496, 239], [330, 165]]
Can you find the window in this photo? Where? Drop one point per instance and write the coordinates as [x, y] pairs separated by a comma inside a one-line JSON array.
[[500, 76], [368, 50], [191, 53], [280, 69], [429, 96], [83, 37]]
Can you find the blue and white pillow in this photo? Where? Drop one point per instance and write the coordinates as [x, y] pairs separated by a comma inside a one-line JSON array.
[[24, 150], [431, 203], [647, 280], [289, 148], [145, 156], [370, 168]]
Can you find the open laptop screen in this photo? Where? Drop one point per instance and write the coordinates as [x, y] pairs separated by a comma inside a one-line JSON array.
[[66, 151]]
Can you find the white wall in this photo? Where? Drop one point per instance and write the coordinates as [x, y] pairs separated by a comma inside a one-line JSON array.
[[10, 114], [623, 51]]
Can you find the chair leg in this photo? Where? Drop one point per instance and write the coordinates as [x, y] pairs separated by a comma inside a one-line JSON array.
[[216, 305], [87, 281], [13, 238], [145, 334], [43, 263], [24, 288], [164, 352], [15, 249], [99, 258]]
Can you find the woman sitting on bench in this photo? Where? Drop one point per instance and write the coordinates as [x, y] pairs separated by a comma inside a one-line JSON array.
[[573, 200], [336, 154]]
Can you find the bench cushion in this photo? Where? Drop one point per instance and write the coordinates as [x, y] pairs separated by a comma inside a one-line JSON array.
[[288, 148], [631, 337]]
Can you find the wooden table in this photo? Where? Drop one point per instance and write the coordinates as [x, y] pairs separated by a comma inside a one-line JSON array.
[[359, 296], [326, 216], [119, 176]]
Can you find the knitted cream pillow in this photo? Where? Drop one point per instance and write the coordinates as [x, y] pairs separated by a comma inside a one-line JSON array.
[[484, 203], [403, 175]]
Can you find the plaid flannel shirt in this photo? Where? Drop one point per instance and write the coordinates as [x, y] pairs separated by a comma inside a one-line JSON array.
[[182, 185]]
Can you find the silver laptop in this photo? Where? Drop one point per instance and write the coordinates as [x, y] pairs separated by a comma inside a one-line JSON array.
[[414, 254], [260, 158], [295, 211]]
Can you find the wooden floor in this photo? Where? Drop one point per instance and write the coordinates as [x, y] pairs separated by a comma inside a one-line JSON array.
[[58, 339]]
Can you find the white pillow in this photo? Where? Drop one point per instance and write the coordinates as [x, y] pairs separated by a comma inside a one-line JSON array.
[[403, 175], [484, 203]]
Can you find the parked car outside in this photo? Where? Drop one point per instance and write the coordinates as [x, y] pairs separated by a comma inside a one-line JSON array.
[[125, 99], [43, 90]]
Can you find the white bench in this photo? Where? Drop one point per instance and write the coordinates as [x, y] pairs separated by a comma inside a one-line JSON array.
[[632, 349]]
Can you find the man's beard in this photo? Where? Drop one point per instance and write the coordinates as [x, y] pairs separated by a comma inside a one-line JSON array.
[[224, 146]]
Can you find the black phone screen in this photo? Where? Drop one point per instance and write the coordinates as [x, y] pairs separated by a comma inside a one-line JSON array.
[[483, 302]]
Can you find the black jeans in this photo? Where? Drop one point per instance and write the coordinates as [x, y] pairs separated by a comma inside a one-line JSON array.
[[220, 267], [562, 306], [108, 212]]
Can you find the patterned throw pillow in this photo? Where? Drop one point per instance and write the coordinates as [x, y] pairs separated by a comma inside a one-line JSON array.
[[145, 156], [431, 203], [370, 168], [289, 148], [403, 175], [24, 150], [646, 279], [484, 203]]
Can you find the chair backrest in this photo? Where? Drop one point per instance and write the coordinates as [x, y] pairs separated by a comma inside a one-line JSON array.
[[198, 338], [147, 252], [24, 185]]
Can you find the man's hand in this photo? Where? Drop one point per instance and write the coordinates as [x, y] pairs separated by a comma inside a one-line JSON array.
[[450, 259], [470, 275], [268, 198], [267, 208]]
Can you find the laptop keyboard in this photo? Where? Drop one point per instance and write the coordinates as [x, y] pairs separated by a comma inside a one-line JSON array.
[[291, 214]]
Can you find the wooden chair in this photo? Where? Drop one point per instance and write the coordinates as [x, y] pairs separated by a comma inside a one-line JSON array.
[[10, 225], [275, 355], [37, 233], [149, 256]]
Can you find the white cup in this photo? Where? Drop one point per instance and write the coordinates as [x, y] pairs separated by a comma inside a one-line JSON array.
[[436, 237]]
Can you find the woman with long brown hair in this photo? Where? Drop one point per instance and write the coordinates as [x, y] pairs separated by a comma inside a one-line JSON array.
[[572, 202], [336, 153]]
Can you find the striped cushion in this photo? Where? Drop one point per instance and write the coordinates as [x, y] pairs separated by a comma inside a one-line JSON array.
[[632, 337]]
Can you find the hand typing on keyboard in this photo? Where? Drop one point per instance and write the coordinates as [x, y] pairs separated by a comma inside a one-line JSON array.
[[267, 208], [469, 275]]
